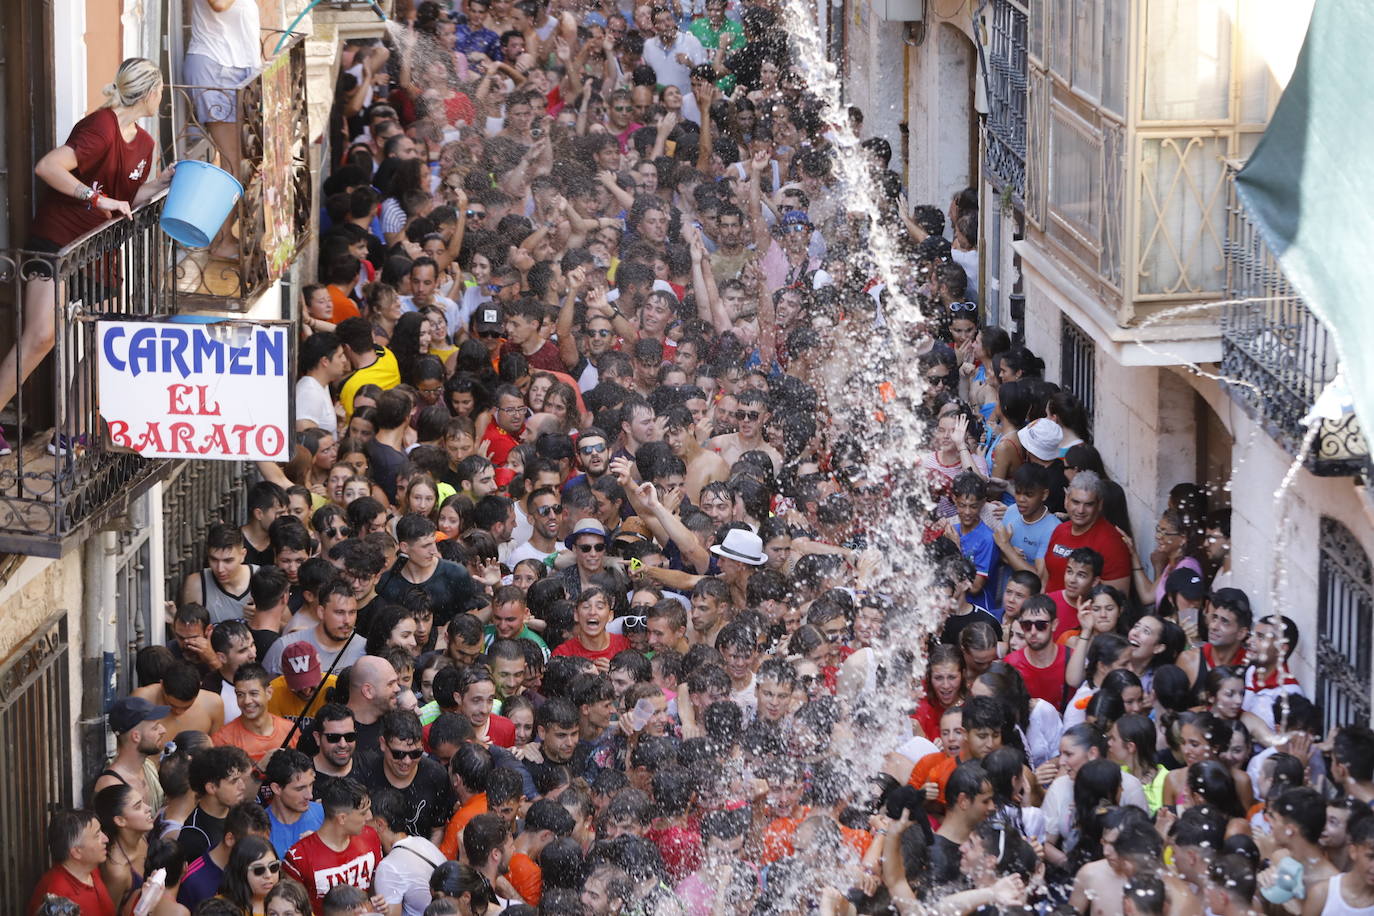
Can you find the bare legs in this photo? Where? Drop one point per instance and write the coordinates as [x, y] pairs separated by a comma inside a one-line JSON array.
[[34, 342], [225, 136]]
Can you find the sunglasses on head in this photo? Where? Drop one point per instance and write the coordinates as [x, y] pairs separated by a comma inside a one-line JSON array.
[[336, 737], [405, 755], [598, 547], [1040, 625], [642, 609], [260, 870], [963, 306]]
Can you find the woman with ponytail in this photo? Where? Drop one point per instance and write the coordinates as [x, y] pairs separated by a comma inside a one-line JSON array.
[[100, 173]]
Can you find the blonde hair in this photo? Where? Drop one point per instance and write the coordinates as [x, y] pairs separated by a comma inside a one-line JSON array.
[[135, 78]]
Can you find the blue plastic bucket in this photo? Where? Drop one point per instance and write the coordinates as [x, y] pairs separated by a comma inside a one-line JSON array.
[[199, 202]]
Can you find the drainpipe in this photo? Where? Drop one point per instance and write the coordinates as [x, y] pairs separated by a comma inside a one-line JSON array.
[[99, 655]]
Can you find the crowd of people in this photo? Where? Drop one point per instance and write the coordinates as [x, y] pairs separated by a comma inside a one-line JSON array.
[[576, 598]]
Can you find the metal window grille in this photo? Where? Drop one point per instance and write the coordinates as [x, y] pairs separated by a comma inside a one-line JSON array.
[[1344, 628], [1078, 370], [1006, 80], [198, 494], [35, 757]]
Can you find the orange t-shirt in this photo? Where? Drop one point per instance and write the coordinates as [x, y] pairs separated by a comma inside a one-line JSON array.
[[526, 877], [777, 838], [453, 833], [344, 307], [934, 768], [256, 746]]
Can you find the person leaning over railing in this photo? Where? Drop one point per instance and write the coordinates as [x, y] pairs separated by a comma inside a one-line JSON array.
[[100, 173]]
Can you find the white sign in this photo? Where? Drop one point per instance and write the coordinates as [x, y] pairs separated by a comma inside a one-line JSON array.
[[212, 391]]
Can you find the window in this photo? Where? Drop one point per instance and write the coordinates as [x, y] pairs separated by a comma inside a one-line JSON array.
[[1188, 60], [1076, 174], [1344, 629], [1077, 366]]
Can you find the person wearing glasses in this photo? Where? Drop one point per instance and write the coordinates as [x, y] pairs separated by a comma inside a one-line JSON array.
[[751, 415], [508, 418], [399, 762], [337, 735], [544, 508], [253, 870], [588, 544], [1041, 660], [593, 457]]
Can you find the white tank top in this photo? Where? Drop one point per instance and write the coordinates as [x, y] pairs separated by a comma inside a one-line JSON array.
[[1336, 905]]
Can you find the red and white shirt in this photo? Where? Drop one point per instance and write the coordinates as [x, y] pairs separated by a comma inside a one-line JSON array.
[[319, 868]]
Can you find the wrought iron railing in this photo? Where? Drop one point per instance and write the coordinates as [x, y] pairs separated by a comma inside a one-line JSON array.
[[121, 269], [1005, 71], [196, 494], [270, 224], [1277, 356]]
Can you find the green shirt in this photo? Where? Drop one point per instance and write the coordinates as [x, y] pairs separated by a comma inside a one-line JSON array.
[[710, 40], [525, 633]]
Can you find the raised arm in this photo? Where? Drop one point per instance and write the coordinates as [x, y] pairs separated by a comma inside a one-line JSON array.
[[567, 342], [757, 163]]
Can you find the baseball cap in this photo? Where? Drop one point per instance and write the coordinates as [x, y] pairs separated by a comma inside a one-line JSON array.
[[488, 316], [792, 219], [300, 666], [128, 713], [1186, 582]]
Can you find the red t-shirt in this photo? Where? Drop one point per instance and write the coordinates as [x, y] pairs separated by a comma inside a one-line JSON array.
[[105, 162], [928, 713], [501, 731], [319, 868], [90, 899], [1067, 614], [499, 443], [573, 647], [680, 848], [1102, 537], [1045, 683]]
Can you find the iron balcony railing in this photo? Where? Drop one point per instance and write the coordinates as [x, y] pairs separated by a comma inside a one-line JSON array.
[[1277, 356], [270, 156], [1005, 69], [121, 269]]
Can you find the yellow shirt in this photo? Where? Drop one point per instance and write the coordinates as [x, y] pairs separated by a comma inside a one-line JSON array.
[[384, 373], [286, 704]]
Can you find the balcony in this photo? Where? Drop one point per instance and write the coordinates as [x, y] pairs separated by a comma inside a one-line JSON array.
[[1004, 70], [271, 223], [1277, 356], [123, 269]]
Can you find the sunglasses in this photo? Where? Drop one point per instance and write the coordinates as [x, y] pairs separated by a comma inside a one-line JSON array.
[[622, 108], [260, 870], [1029, 625], [337, 737], [592, 548], [476, 214], [405, 755], [600, 332], [548, 511], [963, 306], [796, 227], [337, 532], [635, 622], [642, 609], [592, 449], [489, 335], [746, 415]]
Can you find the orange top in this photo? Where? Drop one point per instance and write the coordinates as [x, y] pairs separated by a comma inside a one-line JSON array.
[[934, 768], [1068, 636], [526, 877], [453, 833], [344, 307], [777, 838], [256, 746]]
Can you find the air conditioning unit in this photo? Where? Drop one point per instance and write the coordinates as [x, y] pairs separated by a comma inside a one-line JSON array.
[[899, 10]]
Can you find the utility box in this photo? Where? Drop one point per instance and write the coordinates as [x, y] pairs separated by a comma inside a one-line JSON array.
[[899, 10]]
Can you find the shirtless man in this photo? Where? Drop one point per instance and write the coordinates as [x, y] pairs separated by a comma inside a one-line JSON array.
[[1354, 887], [1297, 818], [193, 709], [703, 466], [1128, 851], [751, 414]]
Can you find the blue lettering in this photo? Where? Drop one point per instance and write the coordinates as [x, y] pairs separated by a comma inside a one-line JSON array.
[[111, 336], [206, 348], [173, 351], [271, 347], [239, 363], [143, 351]]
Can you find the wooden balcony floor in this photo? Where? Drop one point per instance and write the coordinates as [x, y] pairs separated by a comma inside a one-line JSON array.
[[198, 274]]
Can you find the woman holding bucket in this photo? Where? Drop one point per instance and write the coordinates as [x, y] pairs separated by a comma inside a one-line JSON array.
[[100, 173]]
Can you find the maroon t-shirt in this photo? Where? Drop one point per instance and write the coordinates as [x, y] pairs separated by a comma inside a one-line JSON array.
[[546, 358], [104, 161], [1045, 683]]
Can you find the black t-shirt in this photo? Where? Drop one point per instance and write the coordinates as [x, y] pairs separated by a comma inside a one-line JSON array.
[[944, 861], [954, 625], [429, 797], [450, 589], [263, 640], [259, 557], [367, 738], [385, 462], [201, 833]]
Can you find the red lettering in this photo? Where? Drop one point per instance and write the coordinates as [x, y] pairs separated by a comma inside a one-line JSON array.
[[216, 441], [174, 396], [242, 432], [152, 440], [181, 437], [118, 431], [210, 409], [270, 440]]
